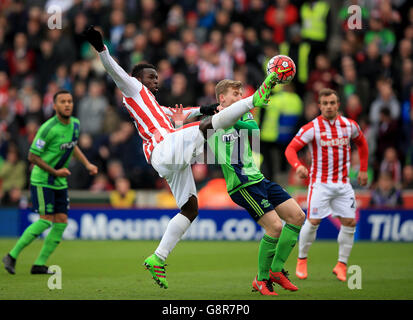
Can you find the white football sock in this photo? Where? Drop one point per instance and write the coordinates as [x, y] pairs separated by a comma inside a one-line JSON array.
[[231, 114], [173, 233], [345, 241], [308, 234]]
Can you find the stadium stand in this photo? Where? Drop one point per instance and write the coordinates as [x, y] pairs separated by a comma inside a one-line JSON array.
[[194, 44]]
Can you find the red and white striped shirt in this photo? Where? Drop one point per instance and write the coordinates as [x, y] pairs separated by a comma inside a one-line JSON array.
[[329, 144], [151, 120]]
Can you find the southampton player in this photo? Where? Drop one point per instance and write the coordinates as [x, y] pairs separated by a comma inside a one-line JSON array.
[[50, 152], [170, 150], [264, 200], [328, 137]]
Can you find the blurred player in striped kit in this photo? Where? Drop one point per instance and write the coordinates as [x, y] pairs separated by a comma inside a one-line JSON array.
[[330, 193]]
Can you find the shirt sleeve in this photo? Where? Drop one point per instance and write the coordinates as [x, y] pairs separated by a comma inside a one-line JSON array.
[[305, 135], [247, 122], [129, 86], [363, 150], [291, 153], [355, 130], [302, 138], [40, 142]]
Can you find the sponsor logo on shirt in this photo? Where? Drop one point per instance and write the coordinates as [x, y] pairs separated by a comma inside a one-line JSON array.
[[230, 137], [334, 142], [68, 145]]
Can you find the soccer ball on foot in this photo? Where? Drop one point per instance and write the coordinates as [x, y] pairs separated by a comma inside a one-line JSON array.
[[284, 66]]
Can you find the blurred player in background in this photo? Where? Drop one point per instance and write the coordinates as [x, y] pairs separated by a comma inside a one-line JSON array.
[[264, 200], [169, 150], [328, 137], [50, 152]]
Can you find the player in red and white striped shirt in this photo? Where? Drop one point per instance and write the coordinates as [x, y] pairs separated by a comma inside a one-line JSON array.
[[330, 193], [171, 150]]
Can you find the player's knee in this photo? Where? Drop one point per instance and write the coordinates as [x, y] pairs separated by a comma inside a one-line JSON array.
[[60, 218], [299, 218], [274, 229], [314, 222], [190, 208], [349, 223], [48, 217]]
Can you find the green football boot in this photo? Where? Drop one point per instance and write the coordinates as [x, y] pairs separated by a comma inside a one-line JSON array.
[[157, 269], [262, 95]]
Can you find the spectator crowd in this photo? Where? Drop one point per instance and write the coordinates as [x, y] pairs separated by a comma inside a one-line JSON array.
[[194, 44]]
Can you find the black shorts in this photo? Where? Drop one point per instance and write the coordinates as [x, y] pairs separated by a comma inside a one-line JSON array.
[[49, 201], [260, 198]]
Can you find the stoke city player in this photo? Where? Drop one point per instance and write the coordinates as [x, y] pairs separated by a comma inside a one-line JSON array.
[[330, 192]]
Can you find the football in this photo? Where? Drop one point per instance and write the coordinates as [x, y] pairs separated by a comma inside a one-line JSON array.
[[284, 66]]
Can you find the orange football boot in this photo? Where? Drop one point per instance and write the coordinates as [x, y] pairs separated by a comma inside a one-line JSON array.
[[340, 270], [301, 268], [282, 279], [264, 287]]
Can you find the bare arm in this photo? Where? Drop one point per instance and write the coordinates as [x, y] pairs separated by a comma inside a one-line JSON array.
[[179, 114], [79, 155], [63, 172], [190, 112]]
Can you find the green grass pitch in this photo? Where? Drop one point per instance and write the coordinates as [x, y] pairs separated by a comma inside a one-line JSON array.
[[200, 270]]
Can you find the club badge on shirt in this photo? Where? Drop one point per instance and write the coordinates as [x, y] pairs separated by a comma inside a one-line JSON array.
[[40, 143]]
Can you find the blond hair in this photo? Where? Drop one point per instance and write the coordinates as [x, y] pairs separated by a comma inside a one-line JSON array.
[[224, 85]]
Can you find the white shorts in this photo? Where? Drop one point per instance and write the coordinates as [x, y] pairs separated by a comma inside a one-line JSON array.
[[172, 159], [336, 199]]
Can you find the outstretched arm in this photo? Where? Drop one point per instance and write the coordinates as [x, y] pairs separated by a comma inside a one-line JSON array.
[[180, 113], [129, 86]]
